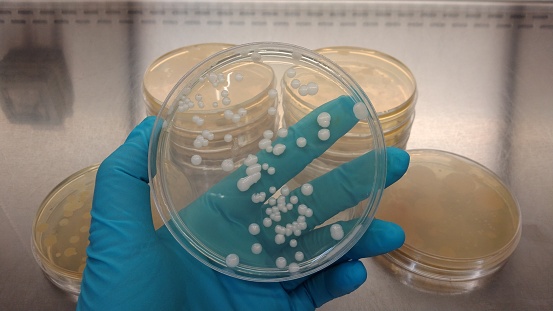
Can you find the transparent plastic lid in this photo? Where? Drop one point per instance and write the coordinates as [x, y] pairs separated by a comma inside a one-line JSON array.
[[461, 222], [234, 181]]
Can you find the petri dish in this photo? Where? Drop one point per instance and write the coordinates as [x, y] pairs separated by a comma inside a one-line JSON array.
[[165, 71], [61, 229], [389, 84], [223, 176], [461, 223]]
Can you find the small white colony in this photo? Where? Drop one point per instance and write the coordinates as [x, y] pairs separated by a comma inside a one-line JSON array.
[[282, 132], [264, 143], [324, 119], [299, 256], [257, 248], [293, 267], [227, 165], [254, 229], [290, 73], [301, 142], [281, 262], [278, 149], [361, 112], [307, 189], [268, 134], [280, 239], [294, 199], [272, 93], [228, 114], [226, 101], [253, 173], [293, 243], [324, 134], [336, 232], [271, 111], [242, 112], [196, 159], [228, 138], [196, 119], [232, 260], [312, 88], [259, 197], [239, 77], [295, 83], [302, 90]]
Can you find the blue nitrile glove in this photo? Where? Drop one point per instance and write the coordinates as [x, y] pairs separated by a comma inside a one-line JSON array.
[[131, 266]]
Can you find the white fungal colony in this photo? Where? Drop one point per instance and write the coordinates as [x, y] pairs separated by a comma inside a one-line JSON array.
[[324, 134], [323, 119], [232, 260], [336, 232]]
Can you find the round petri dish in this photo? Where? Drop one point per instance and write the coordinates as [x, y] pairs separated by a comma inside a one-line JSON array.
[[61, 229], [162, 75], [461, 223], [223, 172], [388, 82]]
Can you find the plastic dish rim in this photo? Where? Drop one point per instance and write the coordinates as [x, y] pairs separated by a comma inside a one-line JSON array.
[[406, 256], [366, 218]]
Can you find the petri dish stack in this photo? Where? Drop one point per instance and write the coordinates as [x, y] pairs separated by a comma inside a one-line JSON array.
[[389, 84], [61, 230], [162, 75], [461, 223], [224, 158]]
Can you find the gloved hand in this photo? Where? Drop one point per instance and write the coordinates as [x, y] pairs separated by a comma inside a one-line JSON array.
[[131, 266]]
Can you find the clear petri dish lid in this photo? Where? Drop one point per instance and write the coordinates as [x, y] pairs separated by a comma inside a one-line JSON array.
[[460, 220], [61, 229], [242, 211], [162, 75]]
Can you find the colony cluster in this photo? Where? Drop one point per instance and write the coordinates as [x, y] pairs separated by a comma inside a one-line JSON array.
[[276, 205]]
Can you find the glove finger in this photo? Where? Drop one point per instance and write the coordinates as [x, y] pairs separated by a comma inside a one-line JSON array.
[[346, 186], [293, 159], [329, 284], [121, 205]]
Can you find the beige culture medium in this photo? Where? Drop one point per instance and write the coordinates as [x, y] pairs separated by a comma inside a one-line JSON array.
[[461, 223], [388, 83], [164, 73], [60, 230]]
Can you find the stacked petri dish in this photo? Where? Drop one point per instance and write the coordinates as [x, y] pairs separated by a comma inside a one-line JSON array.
[[389, 84], [61, 229], [224, 158], [162, 75], [461, 223]]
